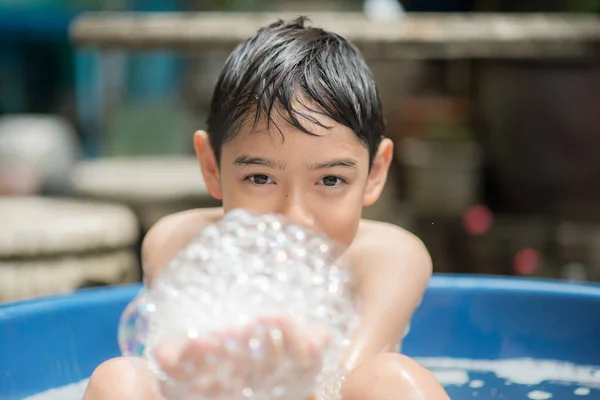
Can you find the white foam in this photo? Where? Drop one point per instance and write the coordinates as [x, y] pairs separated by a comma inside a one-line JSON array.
[[452, 377], [539, 395], [453, 372], [74, 391], [523, 371], [582, 391], [476, 384]]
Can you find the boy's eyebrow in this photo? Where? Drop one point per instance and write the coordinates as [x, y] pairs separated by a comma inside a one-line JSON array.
[[340, 162], [248, 160]]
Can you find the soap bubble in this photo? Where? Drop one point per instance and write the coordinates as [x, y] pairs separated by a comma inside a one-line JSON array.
[[133, 326], [247, 288]]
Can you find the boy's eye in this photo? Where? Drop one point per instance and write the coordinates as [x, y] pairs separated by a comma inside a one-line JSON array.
[[259, 179], [331, 181]]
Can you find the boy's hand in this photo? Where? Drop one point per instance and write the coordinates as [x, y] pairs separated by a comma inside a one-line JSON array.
[[269, 355]]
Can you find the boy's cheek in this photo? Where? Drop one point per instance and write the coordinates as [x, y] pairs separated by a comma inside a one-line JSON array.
[[340, 220], [234, 198]]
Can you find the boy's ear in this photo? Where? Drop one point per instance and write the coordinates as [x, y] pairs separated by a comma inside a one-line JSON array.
[[379, 172], [208, 164]]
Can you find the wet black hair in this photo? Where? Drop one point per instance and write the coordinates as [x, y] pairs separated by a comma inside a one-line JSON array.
[[288, 63]]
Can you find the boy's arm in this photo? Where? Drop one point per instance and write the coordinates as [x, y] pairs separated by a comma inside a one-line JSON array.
[[391, 269]]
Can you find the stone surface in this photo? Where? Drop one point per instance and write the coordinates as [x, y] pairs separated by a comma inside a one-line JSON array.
[[141, 179], [37, 227], [25, 279], [416, 36], [152, 186]]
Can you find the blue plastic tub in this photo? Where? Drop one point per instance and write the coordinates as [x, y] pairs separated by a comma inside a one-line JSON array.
[[52, 342]]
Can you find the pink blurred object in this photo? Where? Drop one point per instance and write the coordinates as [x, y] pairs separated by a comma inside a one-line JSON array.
[[18, 180], [478, 220], [526, 262]]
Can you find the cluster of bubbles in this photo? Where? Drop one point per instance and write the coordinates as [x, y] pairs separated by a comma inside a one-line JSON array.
[[234, 273]]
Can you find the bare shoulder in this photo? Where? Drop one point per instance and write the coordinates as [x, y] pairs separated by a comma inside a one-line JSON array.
[[381, 238], [370, 232], [171, 233]]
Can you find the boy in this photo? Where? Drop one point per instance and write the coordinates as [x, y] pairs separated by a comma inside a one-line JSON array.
[[296, 128]]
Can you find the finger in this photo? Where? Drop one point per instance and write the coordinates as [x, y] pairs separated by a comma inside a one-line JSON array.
[[294, 344], [249, 354], [305, 346], [274, 341], [168, 357], [232, 351], [215, 352], [209, 360], [299, 352], [205, 386], [257, 353], [318, 339]]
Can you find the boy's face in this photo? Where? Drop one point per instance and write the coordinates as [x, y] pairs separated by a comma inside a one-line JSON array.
[[321, 182]]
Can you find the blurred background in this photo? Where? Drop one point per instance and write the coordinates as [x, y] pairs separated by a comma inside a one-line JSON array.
[[497, 166]]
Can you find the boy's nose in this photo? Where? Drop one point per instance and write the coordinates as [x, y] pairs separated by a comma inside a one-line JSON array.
[[297, 213]]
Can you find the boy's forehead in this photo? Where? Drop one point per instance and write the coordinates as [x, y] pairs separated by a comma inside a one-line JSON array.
[[277, 137], [278, 133], [285, 144]]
